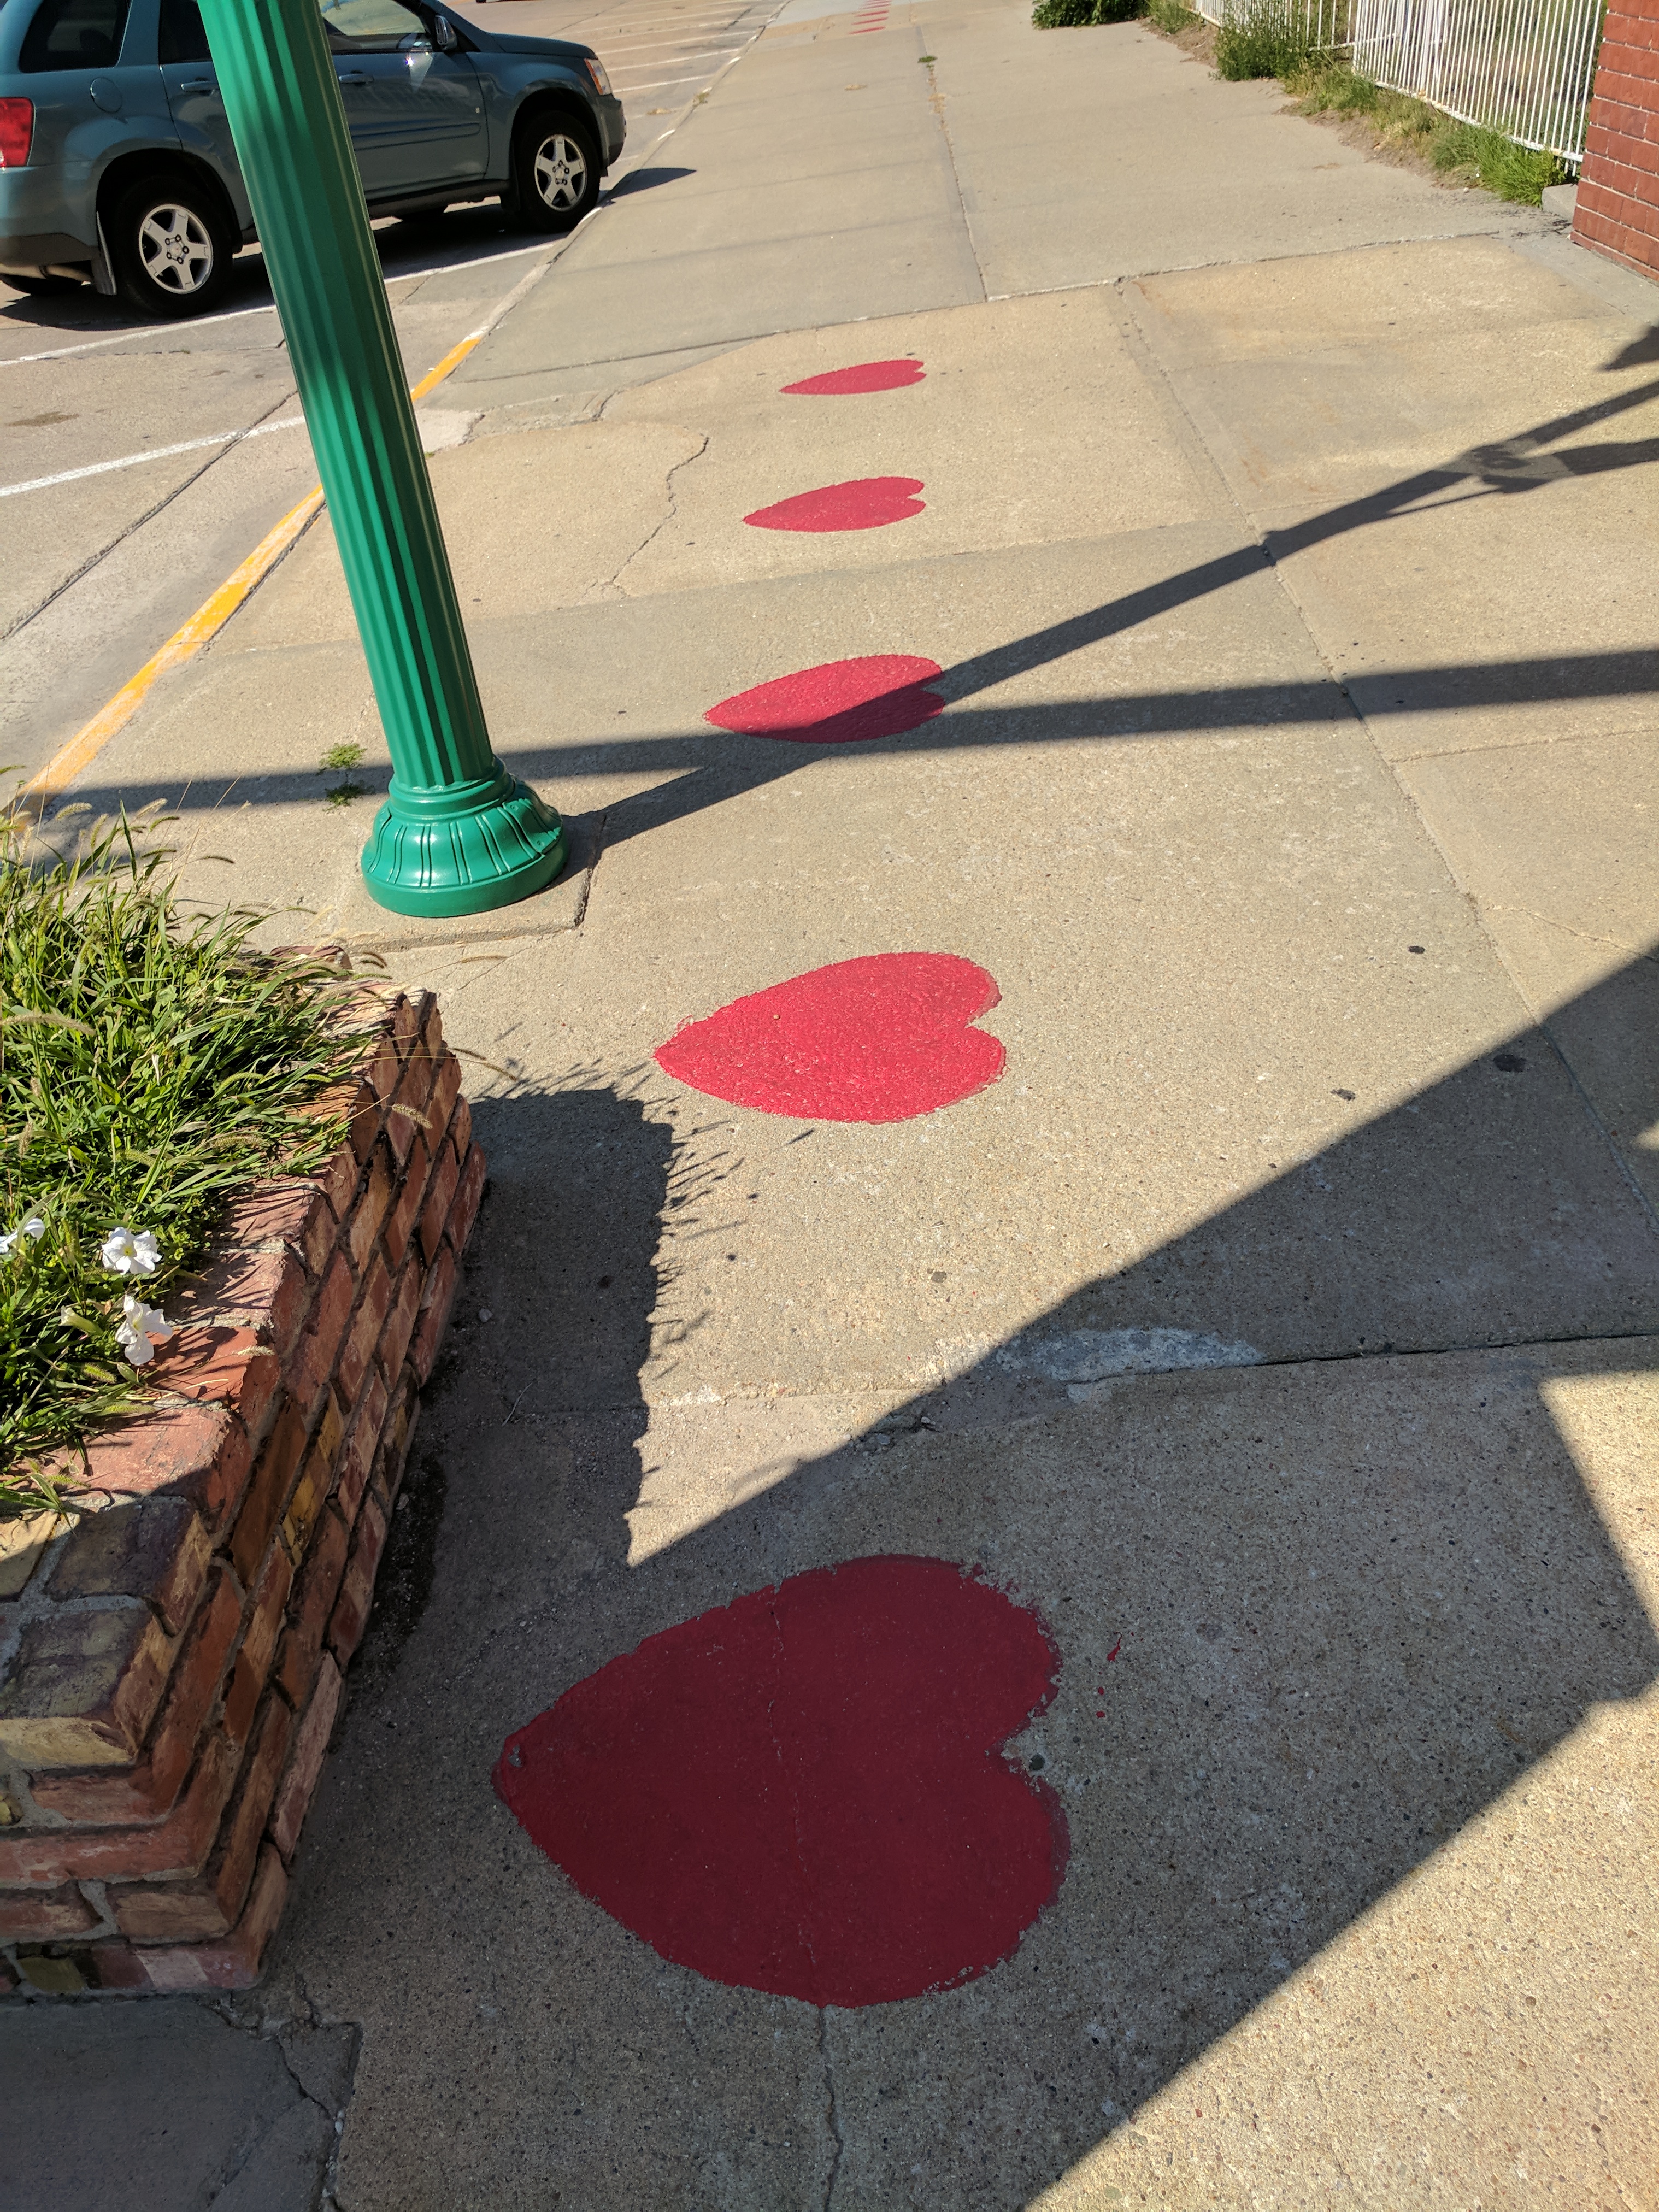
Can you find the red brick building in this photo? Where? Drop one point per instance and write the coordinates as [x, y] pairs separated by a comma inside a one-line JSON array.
[[1618, 208]]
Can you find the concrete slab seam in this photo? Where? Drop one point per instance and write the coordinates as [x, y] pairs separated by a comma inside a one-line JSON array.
[[936, 102], [121, 536], [1538, 1018]]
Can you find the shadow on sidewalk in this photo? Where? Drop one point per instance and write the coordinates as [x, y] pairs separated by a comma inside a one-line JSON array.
[[1355, 1598], [719, 765]]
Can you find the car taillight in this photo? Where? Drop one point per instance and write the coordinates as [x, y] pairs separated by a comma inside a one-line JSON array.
[[16, 130]]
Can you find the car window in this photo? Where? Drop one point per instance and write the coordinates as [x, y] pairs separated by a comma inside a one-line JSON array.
[[68, 34], [371, 26], [182, 37]]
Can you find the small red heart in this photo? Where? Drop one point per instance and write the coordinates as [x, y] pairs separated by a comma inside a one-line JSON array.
[[868, 376], [879, 1039], [802, 1792], [879, 696], [865, 504]]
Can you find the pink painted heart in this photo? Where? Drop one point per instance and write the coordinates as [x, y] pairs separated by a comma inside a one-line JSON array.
[[883, 1038], [866, 504], [878, 695], [803, 1791], [865, 376]]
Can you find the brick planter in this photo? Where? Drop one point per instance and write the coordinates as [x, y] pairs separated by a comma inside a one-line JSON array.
[[171, 1661]]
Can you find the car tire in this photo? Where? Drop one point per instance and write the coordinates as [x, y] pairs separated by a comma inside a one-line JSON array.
[[170, 247], [555, 172]]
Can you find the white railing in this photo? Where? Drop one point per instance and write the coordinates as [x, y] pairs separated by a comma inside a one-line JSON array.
[[1523, 67], [1326, 21]]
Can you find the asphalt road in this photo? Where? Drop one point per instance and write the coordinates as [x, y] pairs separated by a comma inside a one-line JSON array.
[[140, 463]]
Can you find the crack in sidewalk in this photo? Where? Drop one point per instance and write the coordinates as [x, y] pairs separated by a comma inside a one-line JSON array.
[[613, 584], [832, 2113]]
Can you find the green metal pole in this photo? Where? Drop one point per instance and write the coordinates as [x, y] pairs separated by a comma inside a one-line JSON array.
[[457, 835]]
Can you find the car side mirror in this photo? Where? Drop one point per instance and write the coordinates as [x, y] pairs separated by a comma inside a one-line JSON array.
[[444, 34]]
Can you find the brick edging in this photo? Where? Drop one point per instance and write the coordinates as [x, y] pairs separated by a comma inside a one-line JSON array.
[[171, 1663]]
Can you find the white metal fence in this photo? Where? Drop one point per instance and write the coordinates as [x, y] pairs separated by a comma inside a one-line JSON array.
[[1523, 67], [1325, 21]]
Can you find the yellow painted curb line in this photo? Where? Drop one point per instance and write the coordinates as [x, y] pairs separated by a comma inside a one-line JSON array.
[[208, 619]]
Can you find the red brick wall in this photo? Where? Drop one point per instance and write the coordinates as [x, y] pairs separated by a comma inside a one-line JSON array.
[[171, 1660], [1618, 210]]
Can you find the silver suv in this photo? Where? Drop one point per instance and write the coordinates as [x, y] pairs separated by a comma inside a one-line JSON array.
[[117, 165]]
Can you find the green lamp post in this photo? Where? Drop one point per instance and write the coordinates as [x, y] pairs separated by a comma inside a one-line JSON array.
[[457, 834]]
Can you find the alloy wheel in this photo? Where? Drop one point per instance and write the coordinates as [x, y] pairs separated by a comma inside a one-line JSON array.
[[561, 172], [176, 248]]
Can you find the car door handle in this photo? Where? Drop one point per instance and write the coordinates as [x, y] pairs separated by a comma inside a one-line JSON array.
[[351, 77], [197, 84]]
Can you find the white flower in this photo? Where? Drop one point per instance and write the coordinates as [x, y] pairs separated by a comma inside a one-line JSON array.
[[142, 1330], [34, 1229], [124, 1254]]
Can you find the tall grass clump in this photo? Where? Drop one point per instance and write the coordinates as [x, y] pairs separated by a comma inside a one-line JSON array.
[[1078, 14], [1514, 173], [1326, 86], [150, 1067], [1171, 16], [1270, 39]]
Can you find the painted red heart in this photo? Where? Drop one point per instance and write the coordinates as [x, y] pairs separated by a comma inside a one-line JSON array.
[[866, 376], [802, 1792], [868, 503], [878, 695], [879, 1039]]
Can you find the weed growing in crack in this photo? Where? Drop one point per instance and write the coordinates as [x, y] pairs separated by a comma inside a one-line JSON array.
[[340, 760]]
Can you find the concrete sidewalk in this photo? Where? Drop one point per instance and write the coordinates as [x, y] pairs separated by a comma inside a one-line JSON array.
[[1281, 1325]]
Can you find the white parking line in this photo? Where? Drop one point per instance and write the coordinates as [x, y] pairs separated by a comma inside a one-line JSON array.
[[659, 48], [154, 453], [235, 315], [62, 353]]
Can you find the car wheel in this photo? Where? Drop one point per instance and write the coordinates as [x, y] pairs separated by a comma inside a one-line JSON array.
[[170, 248], [555, 172]]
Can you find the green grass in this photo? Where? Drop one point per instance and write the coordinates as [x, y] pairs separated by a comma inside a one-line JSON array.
[[340, 760], [1269, 41], [151, 1066], [1324, 86], [1171, 17], [1075, 14]]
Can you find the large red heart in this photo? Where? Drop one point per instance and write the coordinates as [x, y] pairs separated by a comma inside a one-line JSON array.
[[803, 1792], [865, 504], [879, 1039], [868, 376], [878, 695]]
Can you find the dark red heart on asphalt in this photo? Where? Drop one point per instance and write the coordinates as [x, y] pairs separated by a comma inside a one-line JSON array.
[[879, 696], [865, 504], [879, 1039], [803, 1791], [868, 376]]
